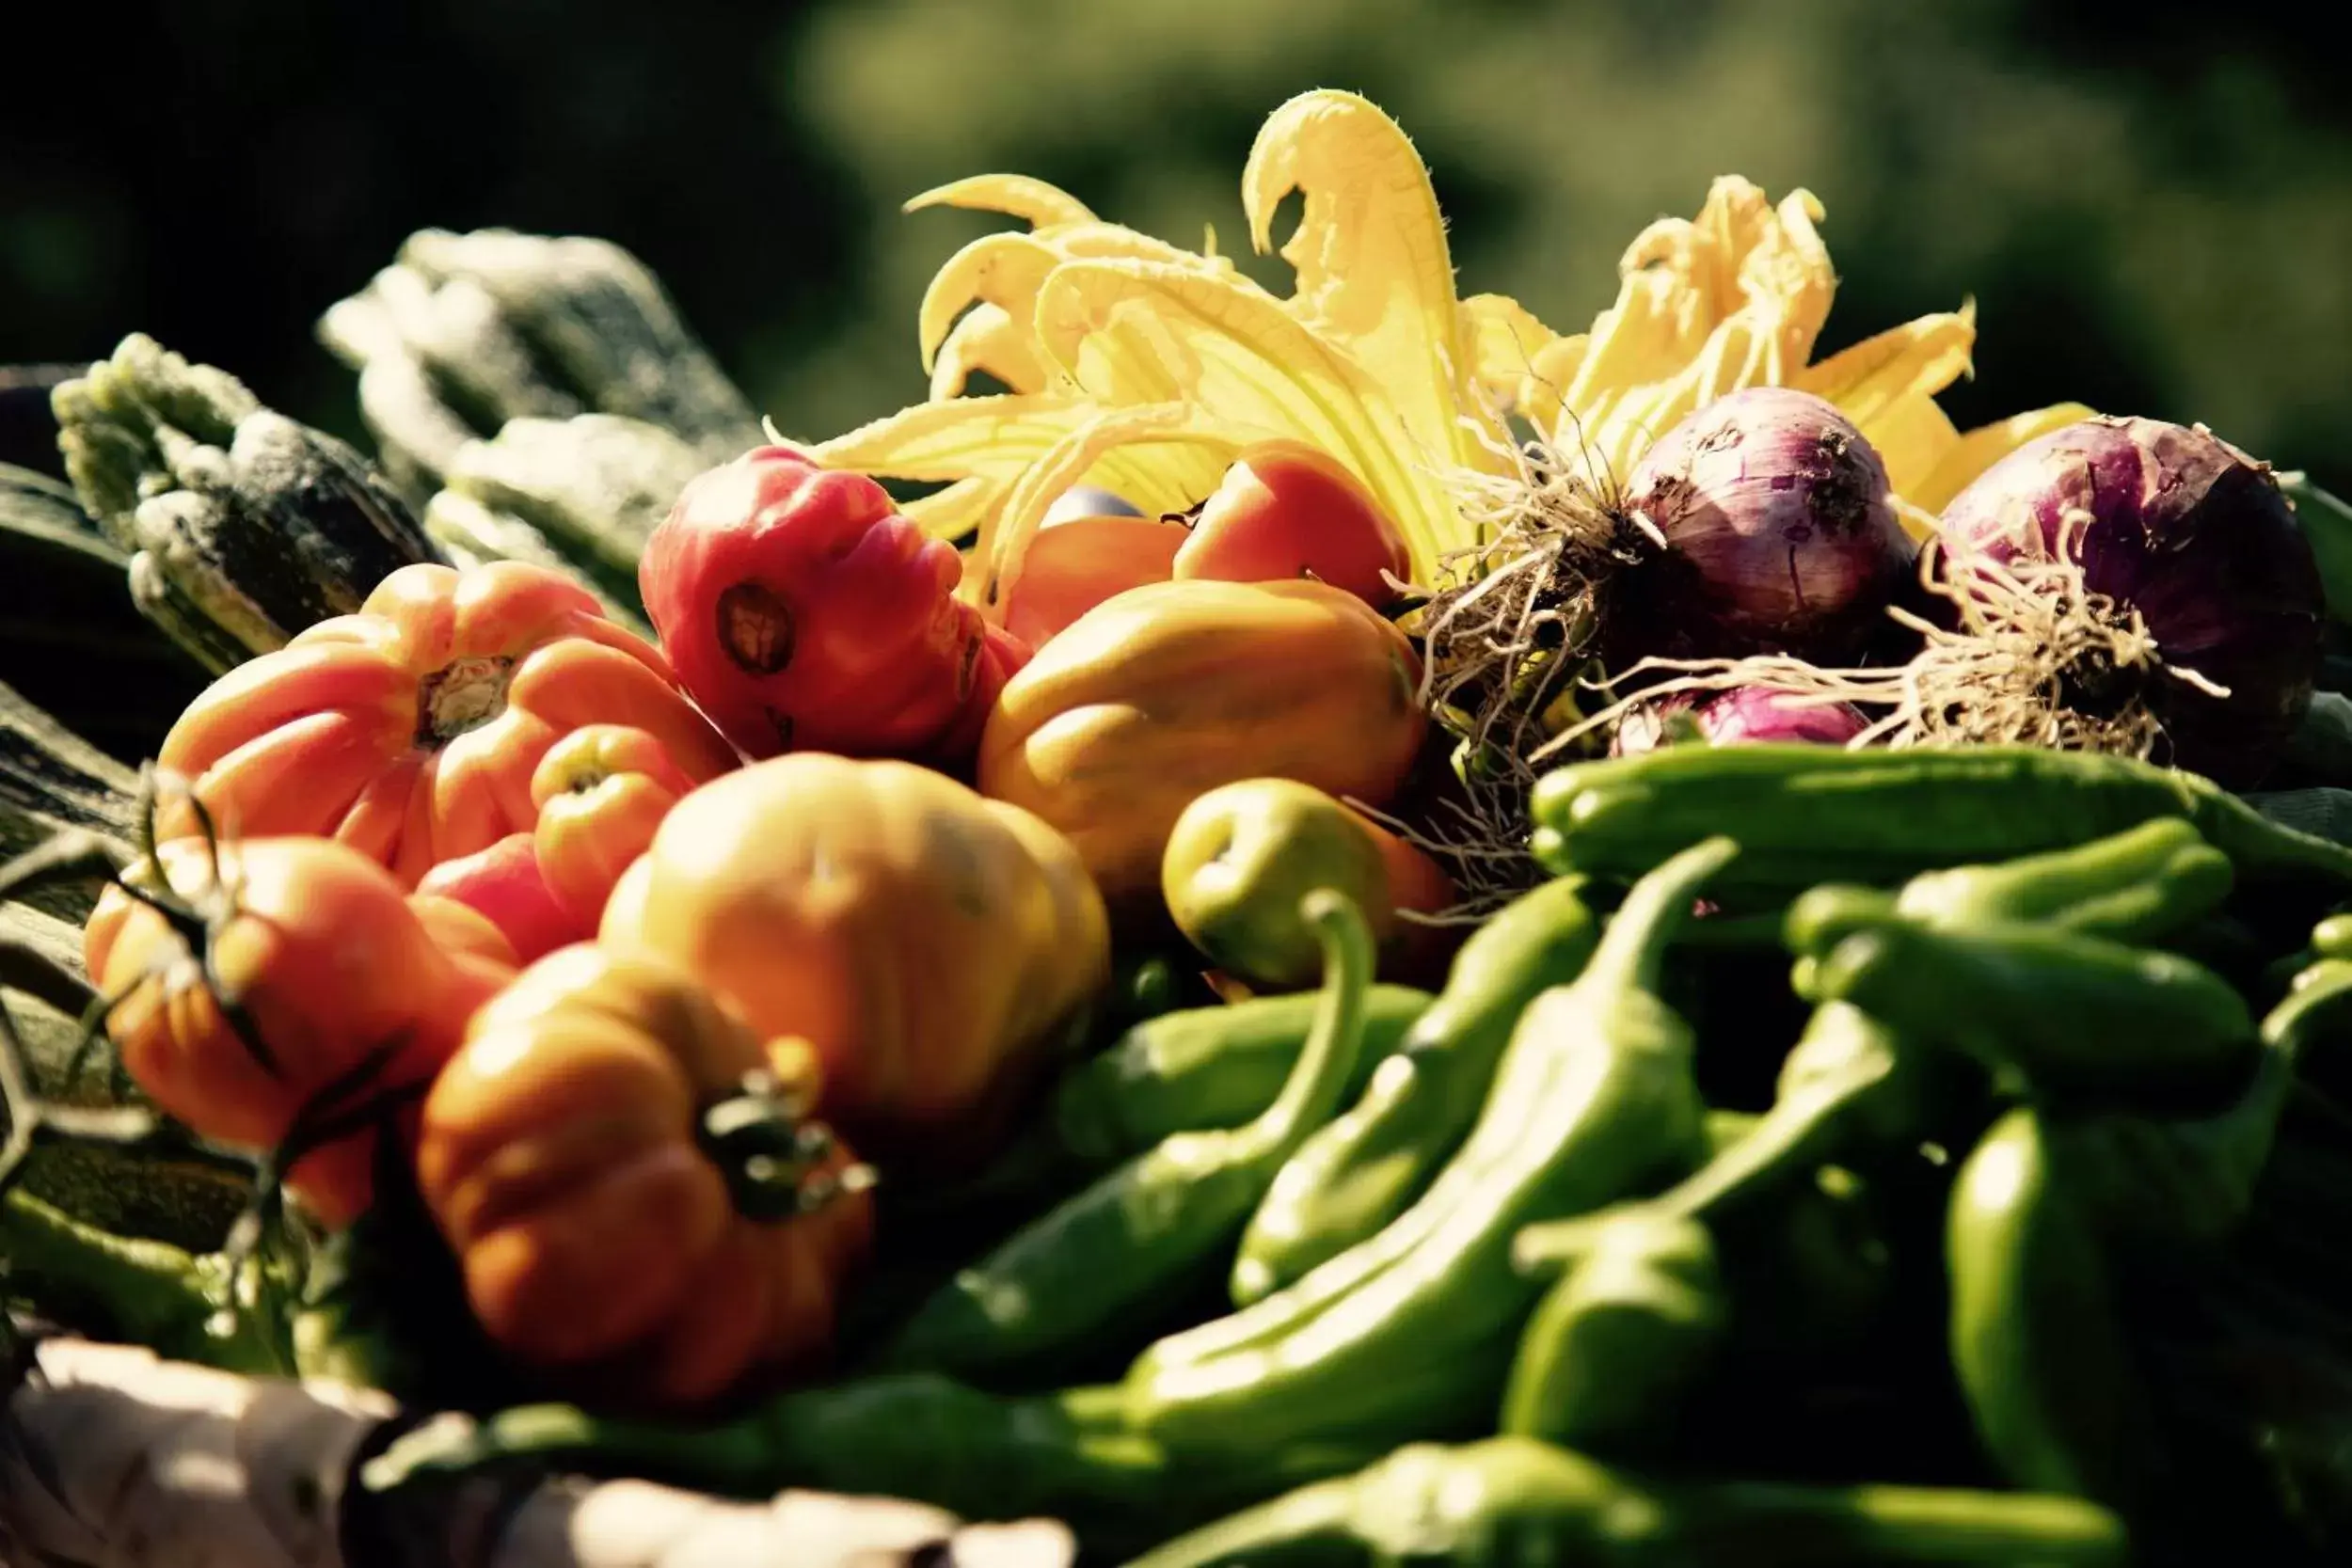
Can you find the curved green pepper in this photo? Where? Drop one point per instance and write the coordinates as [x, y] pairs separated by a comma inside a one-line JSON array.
[[1410, 1333], [1512, 1502], [2072, 1016], [1205, 1067], [1810, 813], [2037, 1341], [1769, 1222], [1368, 1166], [180, 1304], [917, 1435], [2135, 887], [2332, 936], [1614, 1348], [1118, 1253]]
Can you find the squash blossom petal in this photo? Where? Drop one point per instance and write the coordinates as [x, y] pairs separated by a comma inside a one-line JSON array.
[[1138, 366]]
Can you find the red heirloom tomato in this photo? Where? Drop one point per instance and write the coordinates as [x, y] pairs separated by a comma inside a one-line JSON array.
[[1287, 510], [1070, 567], [409, 730], [503, 883], [601, 792], [464, 933], [329, 964], [618, 1223], [805, 612]]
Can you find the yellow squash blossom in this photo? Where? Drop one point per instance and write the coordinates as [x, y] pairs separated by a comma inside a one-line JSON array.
[[1141, 366]]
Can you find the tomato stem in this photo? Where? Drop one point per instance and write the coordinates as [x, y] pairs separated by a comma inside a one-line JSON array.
[[462, 694], [772, 1154]]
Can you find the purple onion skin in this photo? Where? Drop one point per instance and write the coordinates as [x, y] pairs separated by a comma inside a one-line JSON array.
[[1781, 535], [1744, 715], [2195, 535]]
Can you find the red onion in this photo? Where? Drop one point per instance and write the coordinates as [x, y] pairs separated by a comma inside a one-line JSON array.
[[2179, 526], [1778, 529], [1745, 714]]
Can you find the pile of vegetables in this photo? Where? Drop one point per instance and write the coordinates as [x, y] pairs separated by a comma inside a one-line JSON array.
[[1372, 933]]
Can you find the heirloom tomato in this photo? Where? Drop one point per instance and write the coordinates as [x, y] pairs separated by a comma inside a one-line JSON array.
[[410, 729]]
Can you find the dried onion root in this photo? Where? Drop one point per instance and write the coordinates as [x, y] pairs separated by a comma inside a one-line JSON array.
[[2034, 659], [1510, 622]]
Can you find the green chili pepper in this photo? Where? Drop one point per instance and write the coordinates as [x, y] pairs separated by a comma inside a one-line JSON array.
[[1370, 1165], [2037, 1342], [1725, 1127], [1410, 1333], [1147, 986], [2314, 1021], [1767, 1223], [1615, 1347], [916, 1435], [1511, 1501], [176, 1303], [1191, 1071], [2135, 887], [1807, 813], [2071, 1016], [2161, 1182], [1849, 1092], [2332, 936], [1206, 1068], [1118, 1253]]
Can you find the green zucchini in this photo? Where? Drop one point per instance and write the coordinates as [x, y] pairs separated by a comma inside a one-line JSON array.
[[470, 533], [250, 526], [594, 487], [51, 779], [130, 1194], [69, 632], [464, 333]]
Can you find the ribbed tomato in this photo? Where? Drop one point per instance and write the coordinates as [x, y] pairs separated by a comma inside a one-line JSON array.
[[409, 730], [928, 948], [805, 612], [329, 964], [627, 1198]]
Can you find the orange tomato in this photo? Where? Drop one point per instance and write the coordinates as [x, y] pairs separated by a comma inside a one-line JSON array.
[[464, 934], [505, 885], [410, 729], [1071, 566], [601, 1228], [601, 791], [328, 962], [928, 947], [1289, 510]]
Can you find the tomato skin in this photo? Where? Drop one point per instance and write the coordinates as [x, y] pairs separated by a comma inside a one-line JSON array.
[[466, 936], [1286, 510], [1071, 566], [598, 1239], [805, 612], [330, 962], [928, 947], [410, 729], [504, 884], [601, 792]]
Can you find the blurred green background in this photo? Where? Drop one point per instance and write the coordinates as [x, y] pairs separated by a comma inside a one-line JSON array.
[[2152, 204]]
